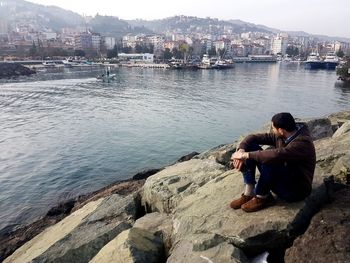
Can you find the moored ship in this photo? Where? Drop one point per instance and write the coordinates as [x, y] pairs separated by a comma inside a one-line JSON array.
[[314, 61], [331, 61]]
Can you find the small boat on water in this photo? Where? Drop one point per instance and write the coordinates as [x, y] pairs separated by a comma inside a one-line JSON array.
[[49, 64], [223, 64], [314, 61], [215, 63], [331, 61], [107, 76], [69, 63]]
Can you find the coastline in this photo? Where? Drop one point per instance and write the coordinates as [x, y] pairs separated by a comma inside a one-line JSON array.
[[323, 128]]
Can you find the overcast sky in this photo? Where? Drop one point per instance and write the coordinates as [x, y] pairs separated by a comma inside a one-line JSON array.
[[313, 16]]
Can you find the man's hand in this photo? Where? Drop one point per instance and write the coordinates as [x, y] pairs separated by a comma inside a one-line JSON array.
[[238, 158]]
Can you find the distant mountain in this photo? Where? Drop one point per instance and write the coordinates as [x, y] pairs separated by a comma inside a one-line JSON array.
[[113, 26], [55, 18], [188, 24], [15, 11]]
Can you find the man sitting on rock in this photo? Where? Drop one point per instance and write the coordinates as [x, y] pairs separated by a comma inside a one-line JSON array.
[[286, 168]]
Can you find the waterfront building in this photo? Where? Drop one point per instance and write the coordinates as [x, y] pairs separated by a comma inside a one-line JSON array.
[[279, 45], [109, 42], [344, 46], [96, 41], [83, 41], [137, 58]]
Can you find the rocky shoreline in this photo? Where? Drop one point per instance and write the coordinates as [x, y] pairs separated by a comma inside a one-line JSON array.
[[8, 70], [180, 213]]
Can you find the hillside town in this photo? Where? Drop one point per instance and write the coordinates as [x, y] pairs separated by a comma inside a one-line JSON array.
[[26, 40]]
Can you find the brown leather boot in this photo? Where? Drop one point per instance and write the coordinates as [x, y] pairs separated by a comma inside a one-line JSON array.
[[257, 203], [237, 203]]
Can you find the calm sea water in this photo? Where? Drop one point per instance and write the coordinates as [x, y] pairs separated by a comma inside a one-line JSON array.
[[62, 133]]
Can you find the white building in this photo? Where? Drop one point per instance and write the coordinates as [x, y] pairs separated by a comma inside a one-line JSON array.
[[279, 45], [49, 35], [96, 41], [137, 58], [110, 42]]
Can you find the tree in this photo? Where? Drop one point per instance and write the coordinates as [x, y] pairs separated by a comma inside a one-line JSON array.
[[33, 50], [340, 53], [176, 53], [79, 53], [127, 49], [212, 52], [184, 50], [167, 54], [292, 51], [138, 48], [113, 53], [344, 71]]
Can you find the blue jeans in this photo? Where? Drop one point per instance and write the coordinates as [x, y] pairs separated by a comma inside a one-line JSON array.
[[273, 177]]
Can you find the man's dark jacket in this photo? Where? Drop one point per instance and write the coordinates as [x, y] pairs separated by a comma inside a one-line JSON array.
[[297, 153]]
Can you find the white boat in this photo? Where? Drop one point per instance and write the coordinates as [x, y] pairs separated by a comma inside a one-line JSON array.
[[49, 64], [314, 61], [69, 63], [207, 62], [331, 61]]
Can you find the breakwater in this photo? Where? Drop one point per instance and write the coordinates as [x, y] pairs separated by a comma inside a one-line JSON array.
[[8, 70]]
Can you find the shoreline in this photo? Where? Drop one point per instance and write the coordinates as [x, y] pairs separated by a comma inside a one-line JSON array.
[[12, 239]]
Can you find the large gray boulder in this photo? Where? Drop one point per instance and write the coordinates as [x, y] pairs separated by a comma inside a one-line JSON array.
[[164, 190], [159, 224], [319, 127], [197, 249], [80, 236], [207, 212], [343, 129], [133, 245]]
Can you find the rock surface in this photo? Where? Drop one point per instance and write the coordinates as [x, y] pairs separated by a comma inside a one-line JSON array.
[[9, 242], [80, 236], [328, 236], [192, 220], [133, 245], [8, 70]]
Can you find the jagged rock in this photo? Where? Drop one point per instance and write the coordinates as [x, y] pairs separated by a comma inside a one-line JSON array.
[[344, 128], [164, 190], [341, 170], [80, 236], [133, 245], [319, 128], [158, 224], [145, 174], [189, 251], [328, 236], [220, 154], [339, 117], [187, 157]]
